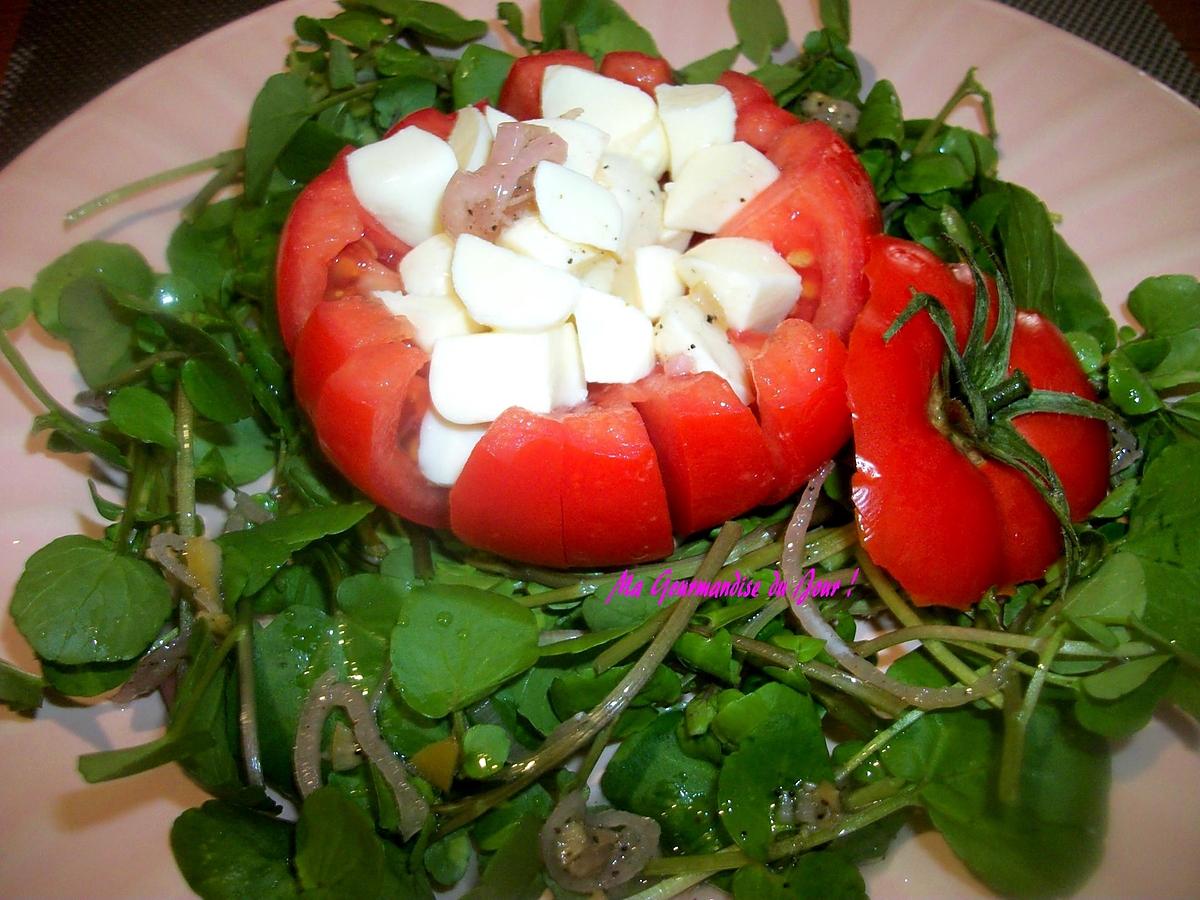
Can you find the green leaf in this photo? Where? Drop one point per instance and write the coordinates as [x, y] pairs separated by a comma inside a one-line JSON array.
[[931, 172], [1128, 388], [226, 852], [21, 691], [235, 454], [835, 18], [358, 28], [709, 68], [479, 75], [515, 872], [15, 305], [882, 119], [216, 388], [484, 750], [760, 26], [1117, 590], [454, 645], [436, 23], [495, 828], [617, 34], [821, 875], [713, 655], [109, 765], [281, 107], [1087, 351], [397, 97], [1129, 713], [514, 20], [100, 332], [116, 266], [87, 680], [143, 415], [446, 860], [79, 601], [1167, 304], [599, 26], [312, 150], [1078, 305], [1116, 682], [337, 851], [399, 61]]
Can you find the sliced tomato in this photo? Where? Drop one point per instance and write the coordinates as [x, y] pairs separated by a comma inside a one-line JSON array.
[[436, 122], [714, 458], [746, 89], [819, 215], [637, 69], [800, 391], [759, 124], [521, 94]]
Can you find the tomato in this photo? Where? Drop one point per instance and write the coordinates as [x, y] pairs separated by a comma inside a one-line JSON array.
[[746, 89], [819, 215], [637, 69], [521, 93], [436, 122], [946, 522]]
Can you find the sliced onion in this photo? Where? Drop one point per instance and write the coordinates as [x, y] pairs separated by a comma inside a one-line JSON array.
[[152, 670], [246, 512], [588, 852], [811, 620], [171, 550], [326, 694], [841, 115]]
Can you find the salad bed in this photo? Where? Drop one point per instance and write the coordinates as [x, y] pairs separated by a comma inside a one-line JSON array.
[[689, 668]]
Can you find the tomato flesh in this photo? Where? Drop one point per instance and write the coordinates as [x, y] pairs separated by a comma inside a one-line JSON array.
[[521, 93], [637, 69]]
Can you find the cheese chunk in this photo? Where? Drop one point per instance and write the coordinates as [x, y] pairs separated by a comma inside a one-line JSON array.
[[470, 138], [585, 143], [648, 279], [687, 338], [432, 317], [752, 284], [503, 289], [694, 116], [648, 147], [495, 118], [716, 182], [616, 341], [400, 181], [444, 448], [621, 111], [425, 269], [530, 237], [639, 197], [576, 208]]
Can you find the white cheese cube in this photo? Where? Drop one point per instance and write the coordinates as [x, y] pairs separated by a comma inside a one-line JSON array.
[[444, 448], [620, 110], [432, 317], [716, 182], [400, 181], [639, 197], [470, 138], [753, 285], [694, 116], [585, 143], [648, 279], [615, 340], [686, 335], [503, 289], [475, 377], [530, 237], [648, 147], [425, 269], [675, 239], [599, 273], [495, 118], [576, 208]]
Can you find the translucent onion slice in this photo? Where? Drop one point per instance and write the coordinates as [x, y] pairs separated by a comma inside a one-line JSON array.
[[587, 852]]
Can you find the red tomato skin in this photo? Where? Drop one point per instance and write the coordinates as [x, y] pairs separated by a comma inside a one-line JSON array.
[[436, 122], [746, 89], [714, 457], [800, 390], [819, 215], [521, 93], [367, 419], [637, 69], [614, 504], [334, 331], [508, 498], [759, 124], [924, 511]]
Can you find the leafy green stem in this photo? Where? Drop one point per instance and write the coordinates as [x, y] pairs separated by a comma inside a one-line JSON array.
[[1013, 753], [185, 465], [968, 87], [35, 387], [877, 743]]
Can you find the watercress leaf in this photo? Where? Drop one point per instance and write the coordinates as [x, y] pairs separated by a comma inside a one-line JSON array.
[[252, 556], [79, 601], [143, 415], [1117, 590], [650, 775], [619, 33], [311, 151], [516, 870], [931, 172], [479, 75], [226, 853], [581, 689], [356, 27], [709, 68], [373, 601], [215, 386], [21, 691], [585, 642], [454, 645], [1118, 681], [341, 67], [835, 18], [821, 875], [15, 305], [494, 829], [484, 750], [776, 78], [399, 61], [118, 266], [1028, 237], [434, 22], [1128, 388], [446, 860], [1180, 364], [1078, 305], [99, 331], [397, 97], [881, 119], [108, 765], [622, 610], [234, 454], [1130, 713], [713, 655], [514, 21], [1167, 304], [87, 680], [760, 26], [1087, 350], [281, 107], [337, 851]]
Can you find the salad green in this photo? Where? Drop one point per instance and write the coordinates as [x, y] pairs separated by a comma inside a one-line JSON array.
[[487, 677]]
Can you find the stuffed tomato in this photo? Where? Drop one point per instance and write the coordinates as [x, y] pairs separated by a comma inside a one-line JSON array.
[[572, 328]]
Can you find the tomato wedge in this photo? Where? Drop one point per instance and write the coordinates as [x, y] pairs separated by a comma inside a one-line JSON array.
[[521, 93], [637, 69]]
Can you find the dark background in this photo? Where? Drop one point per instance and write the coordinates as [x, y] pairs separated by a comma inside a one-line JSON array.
[[45, 44]]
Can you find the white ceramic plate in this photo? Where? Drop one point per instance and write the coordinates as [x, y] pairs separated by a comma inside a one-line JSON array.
[[1115, 153]]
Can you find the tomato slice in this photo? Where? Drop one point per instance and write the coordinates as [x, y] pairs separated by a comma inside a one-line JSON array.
[[637, 69], [714, 458], [819, 215], [746, 89], [800, 391], [436, 122], [368, 418], [521, 93]]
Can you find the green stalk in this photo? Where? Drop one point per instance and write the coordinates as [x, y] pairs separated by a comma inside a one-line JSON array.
[[35, 387], [135, 496], [224, 176], [671, 887], [958, 634], [1013, 754], [968, 87], [599, 742], [615, 653], [247, 702], [186, 520], [877, 743]]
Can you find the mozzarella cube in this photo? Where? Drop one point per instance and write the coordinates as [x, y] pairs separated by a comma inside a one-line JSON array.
[[599, 273], [576, 208], [716, 182], [616, 341], [475, 377], [530, 237], [470, 138], [432, 317], [753, 285], [400, 181], [639, 197], [686, 335], [675, 239], [585, 143], [648, 279], [502, 289], [694, 116], [648, 147], [620, 110], [495, 118], [425, 269], [444, 448]]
